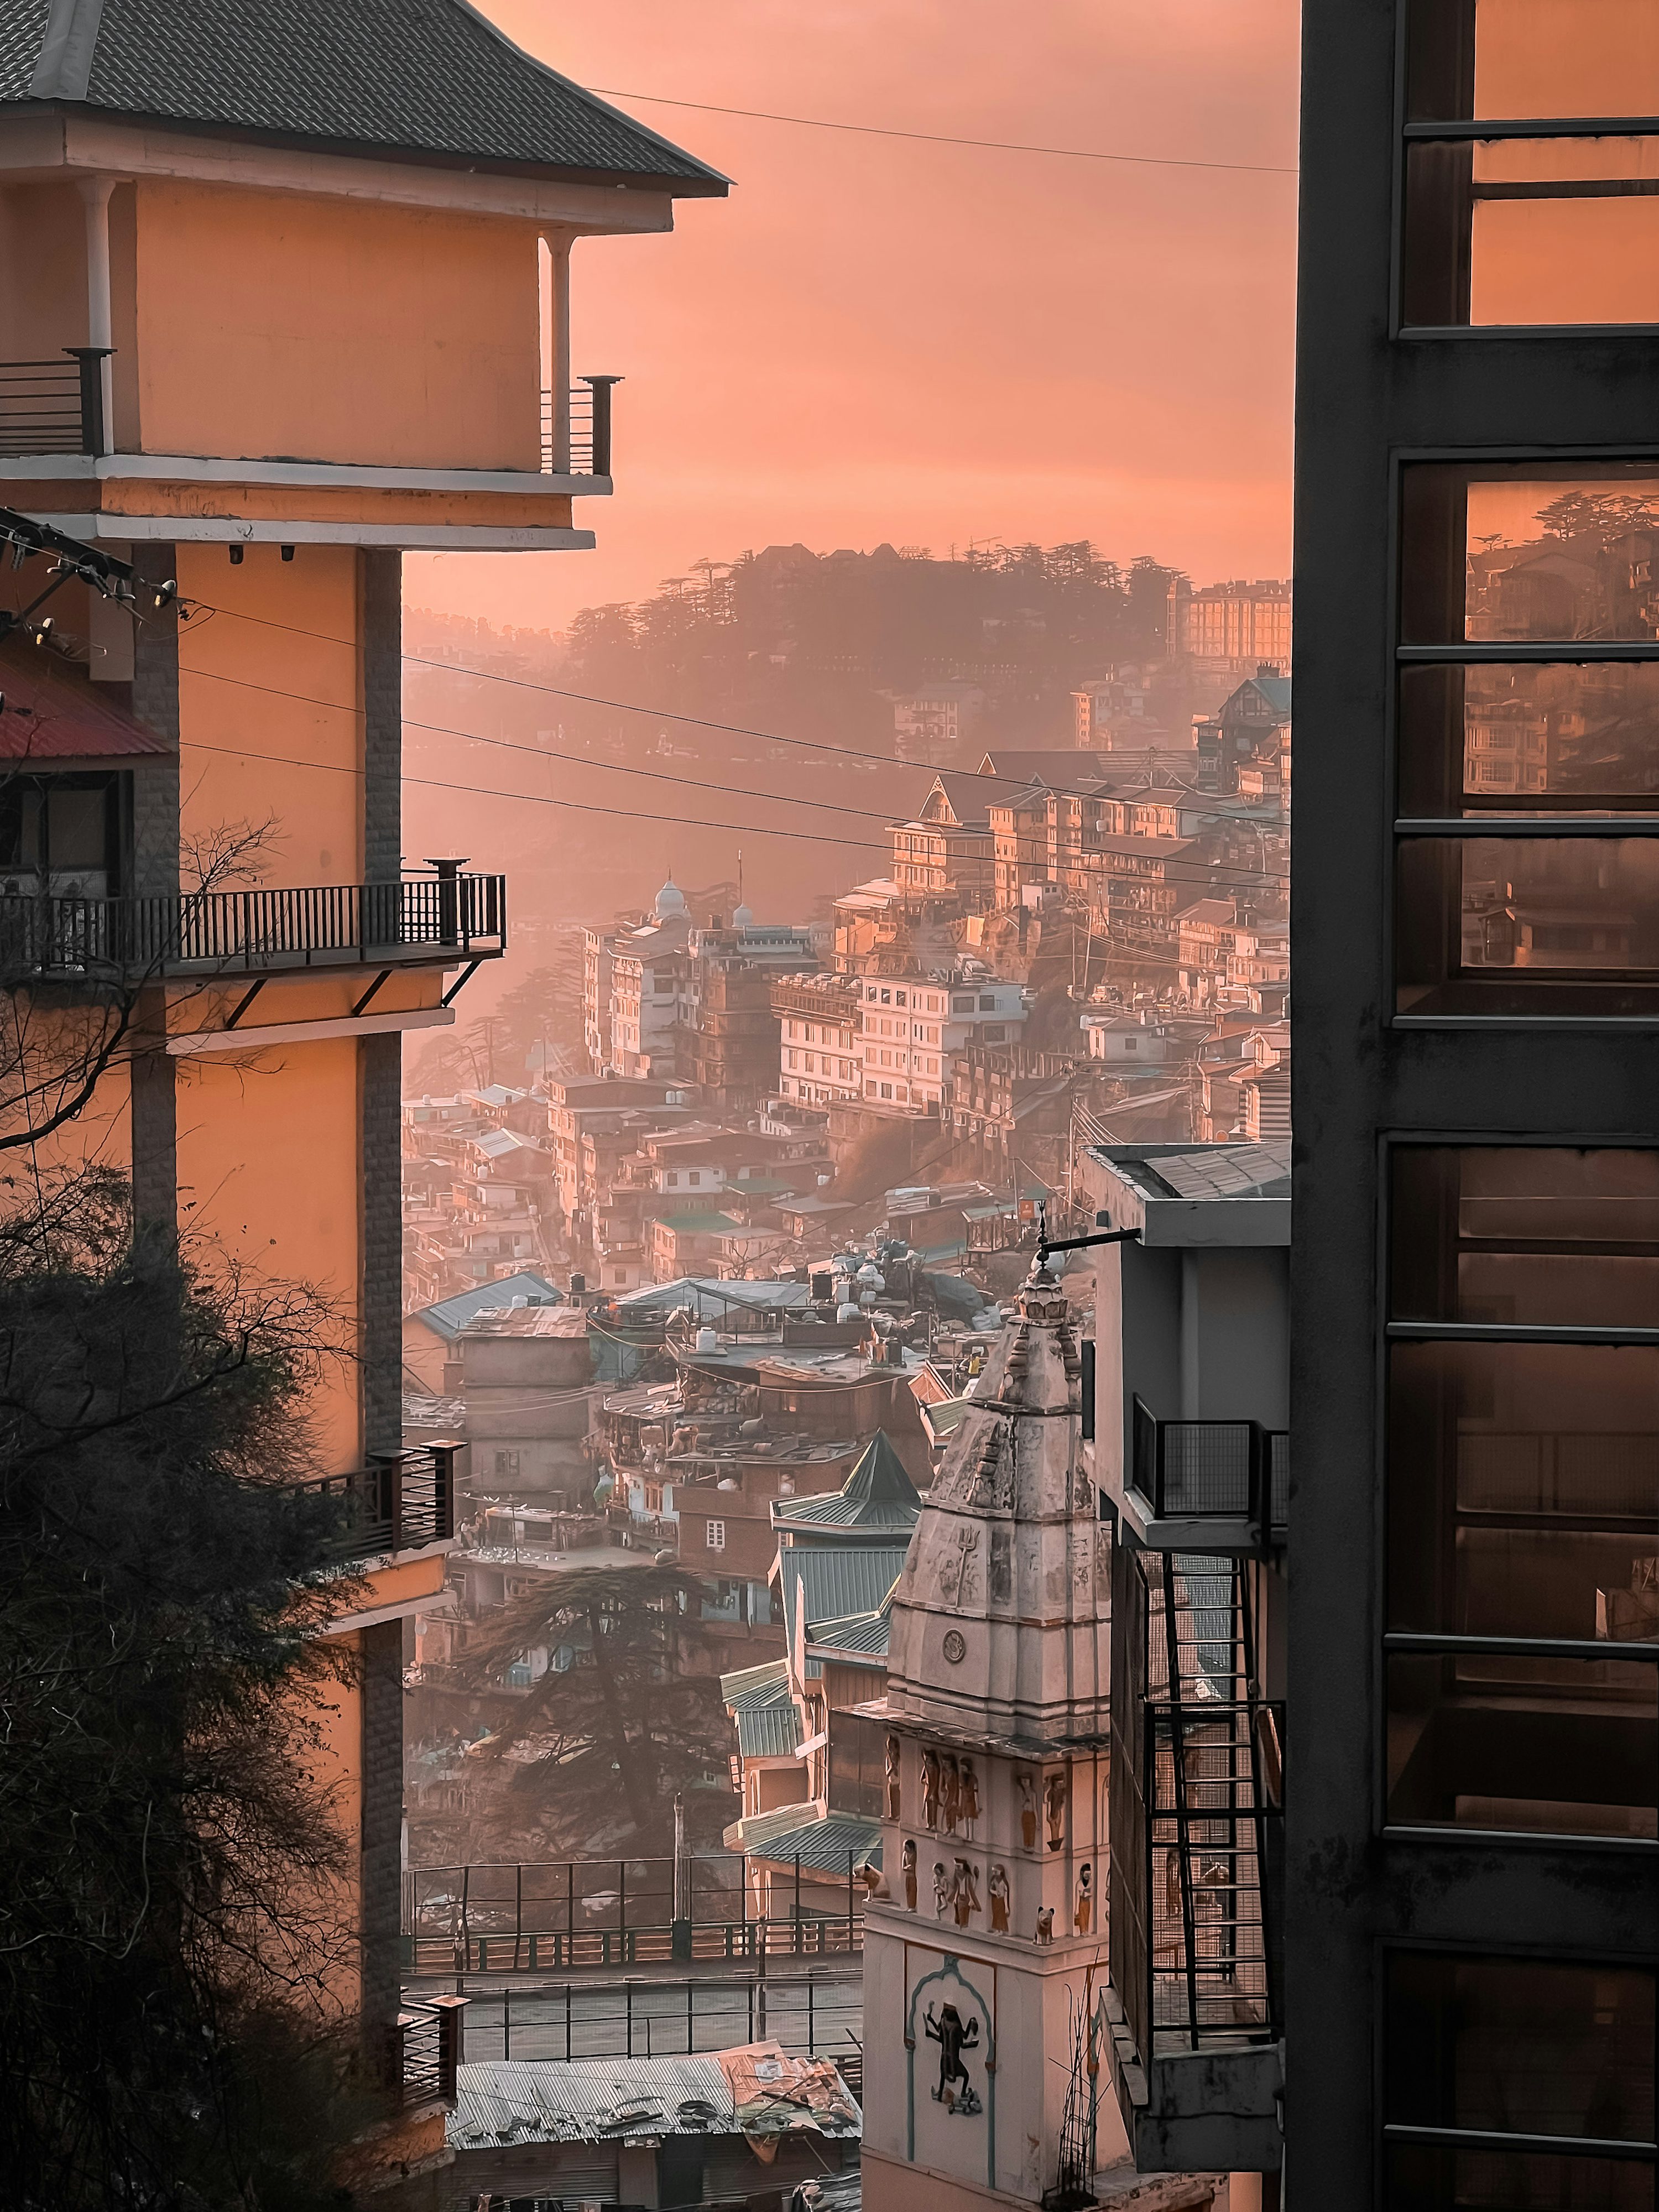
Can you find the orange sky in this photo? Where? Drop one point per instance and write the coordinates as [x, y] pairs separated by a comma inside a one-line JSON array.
[[875, 339]]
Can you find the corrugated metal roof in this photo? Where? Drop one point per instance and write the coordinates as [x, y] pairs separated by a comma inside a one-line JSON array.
[[450, 1315], [431, 80], [836, 1582], [862, 1635], [822, 1842], [772, 1733], [589, 2101], [619, 2101], [879, 1493], [749, 1688]]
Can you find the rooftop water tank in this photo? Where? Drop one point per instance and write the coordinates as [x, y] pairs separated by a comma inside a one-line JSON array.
[[708, 1341]]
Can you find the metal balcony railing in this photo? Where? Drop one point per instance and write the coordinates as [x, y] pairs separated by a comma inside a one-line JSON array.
[[589, 405], [397, 1504], [53, 406], [436, 919], [1197, 1812], [1220, 1470], [429, 2050]]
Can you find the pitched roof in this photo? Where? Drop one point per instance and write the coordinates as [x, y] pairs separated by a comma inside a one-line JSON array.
[[877, 1494], [829, 1585], [54, 713], [749, 1688], [421, 79], [860, 1635], [450, 1315], [823, 1840]]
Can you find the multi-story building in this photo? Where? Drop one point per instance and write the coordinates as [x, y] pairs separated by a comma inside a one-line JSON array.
[[910, 1027], [650, 985], [1472, 1915], [226, 246], [583, 1106], [934, 722], [1252, 723], [1230, 626], [818, 1048], [948, 848]]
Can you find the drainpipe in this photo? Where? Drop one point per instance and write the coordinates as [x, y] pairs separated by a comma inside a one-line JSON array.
[[100, 318]]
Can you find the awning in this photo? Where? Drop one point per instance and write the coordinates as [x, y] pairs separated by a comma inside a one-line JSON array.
[[54, 714]]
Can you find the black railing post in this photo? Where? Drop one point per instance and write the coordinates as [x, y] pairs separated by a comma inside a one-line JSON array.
[[450, 2012], [90, 361], [449, 899], [601, 388]]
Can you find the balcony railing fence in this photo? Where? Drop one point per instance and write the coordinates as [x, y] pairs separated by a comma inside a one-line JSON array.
[[395, 1504], [1221, 1470], [429, 2050], [53, 406], [1197, 1812], [245, 931], [589, 405]]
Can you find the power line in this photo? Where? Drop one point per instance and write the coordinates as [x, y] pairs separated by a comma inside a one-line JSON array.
[[948, 138], [654, 713], [1205, 872]]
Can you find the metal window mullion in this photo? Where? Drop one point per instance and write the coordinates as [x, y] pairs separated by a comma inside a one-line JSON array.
[[1534, 2146], [1479, 1331], [1548, 652], [1429, 1641], [1467, 129]]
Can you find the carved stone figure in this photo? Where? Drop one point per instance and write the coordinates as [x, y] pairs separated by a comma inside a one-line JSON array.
[[1045, 1927], [949, 1793], [955, 2091], [929, 1788], [875, 1883], [941, 1890], [908, 1872], [1053, 1802], [892, 1777], [1085, 1902], [997, 1888], [1028, 1810], [964, 1890], [969, 1796]]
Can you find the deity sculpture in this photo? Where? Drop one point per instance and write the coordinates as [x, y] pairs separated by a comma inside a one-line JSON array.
[[1028, 1810], [929, 1788], [969, 1796], [1081, 1917], [997, 1888], [941, 1890], [964, 1891], [949, 1793], [892, 1777], [1053, 1800], [908, 1872]]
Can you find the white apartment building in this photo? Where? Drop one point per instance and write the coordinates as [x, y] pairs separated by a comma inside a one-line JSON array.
[[910, 1026], [819, 1056]]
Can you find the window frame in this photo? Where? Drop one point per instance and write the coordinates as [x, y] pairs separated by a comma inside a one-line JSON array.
[[1386, 1642], [1411, 130], [1404, 827]]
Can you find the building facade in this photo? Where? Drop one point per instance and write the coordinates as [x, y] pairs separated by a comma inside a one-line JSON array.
[[1472, 1913], [229, 259]]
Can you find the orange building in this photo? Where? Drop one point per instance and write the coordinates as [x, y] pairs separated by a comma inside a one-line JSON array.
[[281, 299]]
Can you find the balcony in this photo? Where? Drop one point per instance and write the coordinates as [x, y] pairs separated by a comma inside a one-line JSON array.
[[1220, 1486], [401, 1502], [56, 406], [428, 2051], [440, 921]]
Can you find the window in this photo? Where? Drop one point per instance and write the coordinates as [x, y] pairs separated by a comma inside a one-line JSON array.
[[962, 1005], [1544, 2052], [1523, 1599], [1527, 875], [1552, 226], [694, 1176], [714, 1535], [987, 1004], [65, 829], [887, 998]]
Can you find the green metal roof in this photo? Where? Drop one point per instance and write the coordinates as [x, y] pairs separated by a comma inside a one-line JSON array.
[[769, 1731], [751, 1687], [699, 1224], [877, 1495], [834, 1583], [861, 1635], [823, 1841]]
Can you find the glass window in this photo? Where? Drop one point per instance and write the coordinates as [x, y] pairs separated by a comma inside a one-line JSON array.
[[1523, 1492], [1523, 59], [1491, 740], [1532, 230], [1529, 1235], [1540, 2050]]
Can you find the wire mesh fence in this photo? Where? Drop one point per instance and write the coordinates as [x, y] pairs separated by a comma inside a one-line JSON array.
[[810, 2017]]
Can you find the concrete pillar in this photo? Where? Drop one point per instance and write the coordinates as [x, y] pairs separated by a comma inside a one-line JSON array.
[[380, 1347], [380, 1841], [382, 596], [100, 318]]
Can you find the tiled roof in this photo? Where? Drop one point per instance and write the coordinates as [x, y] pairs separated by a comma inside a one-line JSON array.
[[430, 80]]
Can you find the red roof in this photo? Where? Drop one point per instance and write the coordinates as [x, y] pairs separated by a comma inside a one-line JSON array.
[[54, 713]]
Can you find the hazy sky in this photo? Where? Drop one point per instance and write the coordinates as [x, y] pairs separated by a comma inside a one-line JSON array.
[[874, 339]]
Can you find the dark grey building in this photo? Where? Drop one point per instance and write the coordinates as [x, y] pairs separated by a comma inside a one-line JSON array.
[[1471, 1910]]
